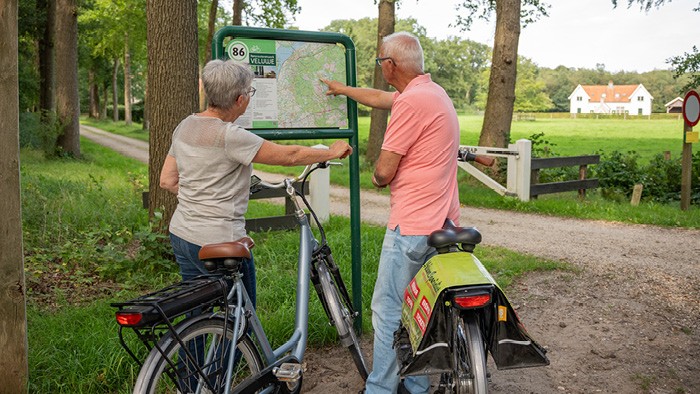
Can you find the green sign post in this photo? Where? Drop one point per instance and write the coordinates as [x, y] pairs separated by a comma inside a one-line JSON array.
[[290, 101]]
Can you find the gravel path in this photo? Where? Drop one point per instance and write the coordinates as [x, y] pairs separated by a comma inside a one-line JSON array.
[[625, 320]]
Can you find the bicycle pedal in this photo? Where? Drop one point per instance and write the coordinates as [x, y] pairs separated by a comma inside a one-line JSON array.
[[288, 372]]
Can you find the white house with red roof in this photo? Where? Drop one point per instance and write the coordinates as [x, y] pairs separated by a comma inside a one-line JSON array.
[[611, 99]]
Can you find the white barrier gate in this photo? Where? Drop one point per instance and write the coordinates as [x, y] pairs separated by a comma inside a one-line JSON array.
[[519, 156]]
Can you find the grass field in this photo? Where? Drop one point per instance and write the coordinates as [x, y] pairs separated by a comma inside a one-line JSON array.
[[572, 137]]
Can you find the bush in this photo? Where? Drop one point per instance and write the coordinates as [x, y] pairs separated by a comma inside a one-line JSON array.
[[137, 111], [541, 148], [37, 134], [662, 179], [618, 173]]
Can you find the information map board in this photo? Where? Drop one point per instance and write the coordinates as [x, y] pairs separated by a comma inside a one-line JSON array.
[[289, 93], [290, 101]]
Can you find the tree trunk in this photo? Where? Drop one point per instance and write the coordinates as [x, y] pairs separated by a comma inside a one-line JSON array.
[[67, 100], [94, 95], [13, 314], [378, 117], [105, 96], [171, 86], [115, 92], [237, 12], [495, 131], [47, 100], [127, 81], [207, 50], [144, 125], [210, 29]]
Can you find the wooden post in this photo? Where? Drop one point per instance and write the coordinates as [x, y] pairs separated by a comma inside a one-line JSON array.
[[534, 179], [686, 167], [581, 176], [667, 155], [636, 194]]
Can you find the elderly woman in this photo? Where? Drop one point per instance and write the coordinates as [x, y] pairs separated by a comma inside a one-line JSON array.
[[209, 166]]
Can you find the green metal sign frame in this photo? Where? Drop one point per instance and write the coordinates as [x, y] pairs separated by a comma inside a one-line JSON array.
[[218, 52]]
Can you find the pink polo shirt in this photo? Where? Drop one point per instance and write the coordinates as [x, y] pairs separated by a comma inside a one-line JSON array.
[[423, 129]]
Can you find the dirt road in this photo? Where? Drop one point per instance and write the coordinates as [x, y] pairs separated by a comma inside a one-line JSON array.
[[627, 320]]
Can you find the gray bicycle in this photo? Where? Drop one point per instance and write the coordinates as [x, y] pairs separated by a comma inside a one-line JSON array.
[[204, 335]]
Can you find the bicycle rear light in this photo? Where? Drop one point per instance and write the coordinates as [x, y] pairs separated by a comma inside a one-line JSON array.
[[472, 300], [129, 319]]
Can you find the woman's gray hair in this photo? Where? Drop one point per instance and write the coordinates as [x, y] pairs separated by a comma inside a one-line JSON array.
[[405, 49], [224, 81]]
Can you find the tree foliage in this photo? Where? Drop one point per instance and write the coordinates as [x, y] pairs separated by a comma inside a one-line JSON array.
[[455, 64], [269, 13], [530, 95], [687, 65], [468, 10]]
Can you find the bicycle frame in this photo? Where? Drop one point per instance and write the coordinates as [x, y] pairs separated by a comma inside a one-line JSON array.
[[296, 344], [230, 313]]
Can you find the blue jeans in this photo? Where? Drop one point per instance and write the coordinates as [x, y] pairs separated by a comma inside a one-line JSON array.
[[402, 256], [187, 257]]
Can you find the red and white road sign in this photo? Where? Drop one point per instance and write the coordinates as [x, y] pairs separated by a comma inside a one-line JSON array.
[[691, 108]]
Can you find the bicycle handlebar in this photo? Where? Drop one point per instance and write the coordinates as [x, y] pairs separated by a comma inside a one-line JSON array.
[[282, 184]]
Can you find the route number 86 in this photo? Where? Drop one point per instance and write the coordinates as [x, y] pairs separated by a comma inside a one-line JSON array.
[[238, 51]]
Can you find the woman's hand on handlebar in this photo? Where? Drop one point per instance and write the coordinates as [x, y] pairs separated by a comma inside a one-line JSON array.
[[340, 149]]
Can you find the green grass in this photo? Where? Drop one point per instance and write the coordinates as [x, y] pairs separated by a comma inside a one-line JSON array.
[[135, 130], [64, 194], [573, 137], [73, 343]]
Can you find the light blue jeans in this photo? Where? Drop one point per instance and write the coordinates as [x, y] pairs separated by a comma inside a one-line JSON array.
[[402, 256]]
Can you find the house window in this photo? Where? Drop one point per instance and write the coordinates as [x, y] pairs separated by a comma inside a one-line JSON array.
[[639, 111], [578, 110], [579, 98], [640, 98]]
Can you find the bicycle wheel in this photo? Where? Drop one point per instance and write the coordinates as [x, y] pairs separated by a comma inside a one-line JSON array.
[[204, 340], [468, 355], [341, 318]]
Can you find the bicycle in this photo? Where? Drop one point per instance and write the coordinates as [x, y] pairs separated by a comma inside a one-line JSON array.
[[194, 353], [454, 314]]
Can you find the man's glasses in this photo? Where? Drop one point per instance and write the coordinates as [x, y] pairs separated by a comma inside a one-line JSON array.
[[379, 60], [251, 92]]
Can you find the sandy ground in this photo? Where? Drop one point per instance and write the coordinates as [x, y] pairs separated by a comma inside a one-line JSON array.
[[626, 321]]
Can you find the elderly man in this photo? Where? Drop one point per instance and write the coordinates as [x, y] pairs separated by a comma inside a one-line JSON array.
[[418, 163]]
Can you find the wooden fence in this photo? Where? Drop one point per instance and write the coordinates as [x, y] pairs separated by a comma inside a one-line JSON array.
[[580, 184]]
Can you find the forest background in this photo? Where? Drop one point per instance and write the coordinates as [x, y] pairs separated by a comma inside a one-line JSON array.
[[112, 63]]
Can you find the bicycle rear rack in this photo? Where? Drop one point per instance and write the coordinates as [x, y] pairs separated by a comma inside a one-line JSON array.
[[154, 314]]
